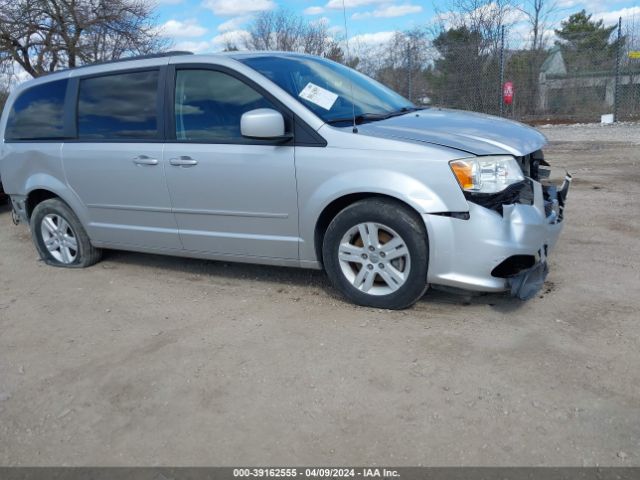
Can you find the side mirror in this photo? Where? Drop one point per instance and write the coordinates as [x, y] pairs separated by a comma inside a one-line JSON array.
[[263, 123]]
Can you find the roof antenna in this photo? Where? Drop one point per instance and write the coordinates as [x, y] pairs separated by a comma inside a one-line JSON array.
[[346, 38]]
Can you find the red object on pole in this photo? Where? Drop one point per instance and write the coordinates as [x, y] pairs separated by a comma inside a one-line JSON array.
[[507, 93]]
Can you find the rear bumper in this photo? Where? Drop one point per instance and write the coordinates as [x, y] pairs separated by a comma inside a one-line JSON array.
[[491, 252]]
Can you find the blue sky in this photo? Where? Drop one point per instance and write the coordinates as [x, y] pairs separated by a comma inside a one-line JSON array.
[[205, 25]]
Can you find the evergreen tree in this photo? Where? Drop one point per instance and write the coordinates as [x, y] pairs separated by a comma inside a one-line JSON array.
[[586, 43]]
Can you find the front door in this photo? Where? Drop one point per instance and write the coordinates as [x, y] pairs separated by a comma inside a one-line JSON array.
[[231, 195]]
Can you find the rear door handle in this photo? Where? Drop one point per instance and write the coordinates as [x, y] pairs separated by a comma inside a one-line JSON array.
[[144, 160], [183, 161]]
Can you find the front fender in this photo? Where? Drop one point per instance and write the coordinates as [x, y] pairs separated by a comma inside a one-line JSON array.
[[417, 194]]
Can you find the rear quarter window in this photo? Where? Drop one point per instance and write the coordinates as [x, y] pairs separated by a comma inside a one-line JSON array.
[[38, 113]]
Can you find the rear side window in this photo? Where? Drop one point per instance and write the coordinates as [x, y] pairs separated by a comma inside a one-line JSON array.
[[38, 113], [119, 107]]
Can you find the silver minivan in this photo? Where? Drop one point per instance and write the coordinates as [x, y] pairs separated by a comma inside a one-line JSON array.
[[280, 159]]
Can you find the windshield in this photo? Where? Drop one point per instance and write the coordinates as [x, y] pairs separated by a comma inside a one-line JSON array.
[[325, 87]]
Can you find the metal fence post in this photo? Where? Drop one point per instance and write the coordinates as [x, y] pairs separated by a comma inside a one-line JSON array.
[[501, 72], [410, 68], [616, 93]]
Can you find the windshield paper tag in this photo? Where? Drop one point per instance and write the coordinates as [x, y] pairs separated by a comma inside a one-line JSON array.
[[318, 95]]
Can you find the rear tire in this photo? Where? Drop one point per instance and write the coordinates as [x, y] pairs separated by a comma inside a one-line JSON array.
[[376, 254], [60, 238]]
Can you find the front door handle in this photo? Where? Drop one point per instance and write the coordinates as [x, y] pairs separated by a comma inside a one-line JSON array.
[[183, 161], [144, 160]]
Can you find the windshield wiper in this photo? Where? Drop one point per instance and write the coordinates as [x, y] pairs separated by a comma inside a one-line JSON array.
[[359, 119], [402, 111], [372, 117]]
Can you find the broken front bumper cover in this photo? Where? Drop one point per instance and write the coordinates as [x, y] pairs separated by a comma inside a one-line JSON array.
[[469, 252], [528, 282]]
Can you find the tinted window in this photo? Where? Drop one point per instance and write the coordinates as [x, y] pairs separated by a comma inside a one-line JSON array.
[[122, 106], [37, 114], [209, 104]]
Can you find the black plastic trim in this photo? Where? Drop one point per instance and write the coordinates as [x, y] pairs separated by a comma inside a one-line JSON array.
[[458, 215], [513, 265]]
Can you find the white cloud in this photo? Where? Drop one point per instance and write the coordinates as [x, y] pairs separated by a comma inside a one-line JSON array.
[[371, 39], [233, 24], [178, 29], [337, 4], [217, 43], [234, 37], [313, 10], [228, 8], [335, 30], [195, 47], [321, 21], [588, 5], [389, 11], [611, 18]]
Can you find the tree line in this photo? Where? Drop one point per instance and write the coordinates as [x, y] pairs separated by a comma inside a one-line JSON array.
[[453, 61]]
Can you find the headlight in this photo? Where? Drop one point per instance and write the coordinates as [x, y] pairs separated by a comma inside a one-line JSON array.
[[486, 174]]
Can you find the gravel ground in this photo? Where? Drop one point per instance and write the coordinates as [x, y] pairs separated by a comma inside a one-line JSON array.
[[148, 360], [593, 132]]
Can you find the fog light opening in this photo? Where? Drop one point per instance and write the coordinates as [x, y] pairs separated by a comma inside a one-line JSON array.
[[513, 265]]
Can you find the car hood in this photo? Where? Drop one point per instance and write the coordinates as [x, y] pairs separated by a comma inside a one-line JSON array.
[[474, 133]]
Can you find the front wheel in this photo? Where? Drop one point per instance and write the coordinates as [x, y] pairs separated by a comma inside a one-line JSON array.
[[59, 236], [376, 254]]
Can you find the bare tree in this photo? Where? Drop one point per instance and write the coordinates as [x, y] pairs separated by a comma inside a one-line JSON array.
[[482, 16], [538, 13], [282, 30], [402, 62], [4, 94], [44, 35]]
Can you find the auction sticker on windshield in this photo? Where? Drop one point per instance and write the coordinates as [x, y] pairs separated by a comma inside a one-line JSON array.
[[318, 95]]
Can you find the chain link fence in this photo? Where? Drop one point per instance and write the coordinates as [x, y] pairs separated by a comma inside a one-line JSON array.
[[575, 81]]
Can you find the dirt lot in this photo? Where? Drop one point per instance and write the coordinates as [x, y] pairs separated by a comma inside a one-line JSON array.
[[146, 360]]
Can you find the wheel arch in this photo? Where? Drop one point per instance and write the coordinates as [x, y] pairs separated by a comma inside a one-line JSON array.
[[338, 204], [43, 187]]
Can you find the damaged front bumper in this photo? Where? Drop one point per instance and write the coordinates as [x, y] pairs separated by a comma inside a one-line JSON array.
[[498, 250]]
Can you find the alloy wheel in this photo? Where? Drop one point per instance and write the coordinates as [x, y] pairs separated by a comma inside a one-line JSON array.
[[374, 258], [59, 238]]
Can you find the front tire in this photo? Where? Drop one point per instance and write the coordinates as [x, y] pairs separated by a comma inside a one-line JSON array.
[[59, 236], [376, 254]]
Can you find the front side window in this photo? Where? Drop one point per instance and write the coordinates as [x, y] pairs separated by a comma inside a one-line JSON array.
[[119, 107], [38, 113], [209, 105]]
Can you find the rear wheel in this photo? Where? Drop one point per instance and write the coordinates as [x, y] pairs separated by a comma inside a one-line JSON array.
[[375, 253], [59, 236]]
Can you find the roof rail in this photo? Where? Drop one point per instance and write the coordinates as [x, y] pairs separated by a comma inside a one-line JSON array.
[[136, 57]]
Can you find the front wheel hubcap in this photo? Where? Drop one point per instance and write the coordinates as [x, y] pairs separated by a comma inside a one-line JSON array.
[[59, 238], [374, 258]]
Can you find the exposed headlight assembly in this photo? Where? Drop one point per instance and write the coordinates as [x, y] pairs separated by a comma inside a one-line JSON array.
[[490, 174]]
